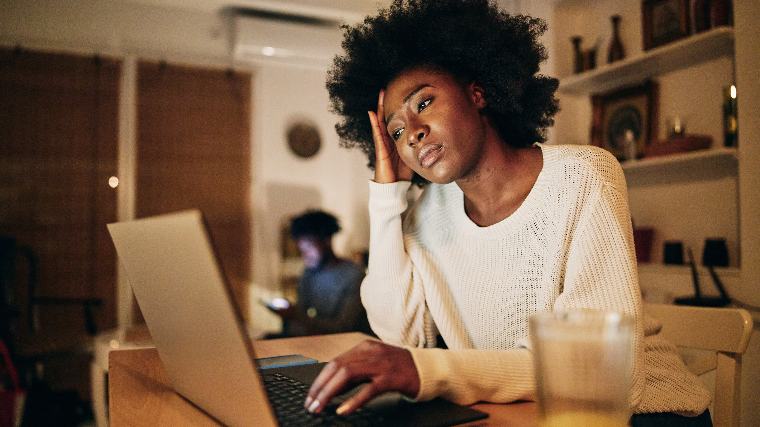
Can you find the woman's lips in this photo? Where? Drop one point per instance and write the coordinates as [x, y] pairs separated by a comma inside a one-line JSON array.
[[430, 154]]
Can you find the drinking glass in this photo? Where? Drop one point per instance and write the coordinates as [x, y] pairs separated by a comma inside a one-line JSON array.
[[583, 363]]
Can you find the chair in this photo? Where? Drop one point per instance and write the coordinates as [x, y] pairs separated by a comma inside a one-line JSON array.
[[32, 347], [725, 331]]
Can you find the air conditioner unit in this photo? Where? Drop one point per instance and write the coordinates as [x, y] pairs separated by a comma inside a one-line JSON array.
[[285, 39]]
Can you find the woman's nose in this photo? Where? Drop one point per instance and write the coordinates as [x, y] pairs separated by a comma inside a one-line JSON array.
[[420, 132]]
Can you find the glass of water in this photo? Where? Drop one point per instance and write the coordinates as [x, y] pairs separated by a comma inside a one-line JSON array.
[[583, 364]]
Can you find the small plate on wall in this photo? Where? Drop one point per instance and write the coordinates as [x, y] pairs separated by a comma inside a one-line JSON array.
[[303, 138]]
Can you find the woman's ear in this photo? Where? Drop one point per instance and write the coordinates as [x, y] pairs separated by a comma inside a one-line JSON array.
[[478, 95]]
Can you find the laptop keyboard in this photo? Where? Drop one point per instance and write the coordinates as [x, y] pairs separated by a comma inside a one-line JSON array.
[[287, 396]]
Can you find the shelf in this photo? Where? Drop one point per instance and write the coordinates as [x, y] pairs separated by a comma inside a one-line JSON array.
[[712, 155], [668, 269], [678, 55]]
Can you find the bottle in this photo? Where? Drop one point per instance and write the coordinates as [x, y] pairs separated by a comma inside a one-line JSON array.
[[589, 58], [578, 55], [730, 124], [616, 51]]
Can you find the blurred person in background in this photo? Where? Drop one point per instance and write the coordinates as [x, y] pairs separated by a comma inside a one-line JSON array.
[[328, 292]]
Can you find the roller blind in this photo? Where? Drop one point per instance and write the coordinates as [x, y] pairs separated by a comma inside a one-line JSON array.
[[194, 151]]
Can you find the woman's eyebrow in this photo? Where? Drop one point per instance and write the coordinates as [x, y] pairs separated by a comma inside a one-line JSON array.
[[407, 97]]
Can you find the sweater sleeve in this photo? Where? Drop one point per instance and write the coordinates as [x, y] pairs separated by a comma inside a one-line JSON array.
[[601, 272], [390, 293], [469, 376]]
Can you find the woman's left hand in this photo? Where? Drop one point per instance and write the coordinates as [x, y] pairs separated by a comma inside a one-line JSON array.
[[384, 367]]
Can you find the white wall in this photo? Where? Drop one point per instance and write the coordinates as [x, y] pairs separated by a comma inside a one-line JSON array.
[[747, 14]]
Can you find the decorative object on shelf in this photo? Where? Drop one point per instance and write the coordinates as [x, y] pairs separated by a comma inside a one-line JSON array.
[[672, 252], [676, 127], [630, 147], [699, 14], [642, 241], [678, 144], [721, 13], [730, 124], [303, 138], [623, 117], [589, 58], [577, 54], [616, 51], [715, 252], [664, 21]]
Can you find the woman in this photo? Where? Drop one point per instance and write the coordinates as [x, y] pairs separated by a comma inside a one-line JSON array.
[[506, 226]]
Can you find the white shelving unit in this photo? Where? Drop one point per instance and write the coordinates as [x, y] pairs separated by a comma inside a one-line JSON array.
[[686, 159], [666, 192], [684, 53]]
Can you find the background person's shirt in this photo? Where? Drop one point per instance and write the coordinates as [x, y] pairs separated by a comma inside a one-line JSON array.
[[329, 297]]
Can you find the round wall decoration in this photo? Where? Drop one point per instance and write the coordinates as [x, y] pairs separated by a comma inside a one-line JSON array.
[[303, 139]]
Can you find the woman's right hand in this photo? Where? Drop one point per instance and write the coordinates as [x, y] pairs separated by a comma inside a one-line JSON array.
[[382, 367], [388, 165]]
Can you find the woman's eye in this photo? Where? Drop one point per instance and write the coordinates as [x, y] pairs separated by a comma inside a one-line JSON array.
[[422, 105], [397, 134]]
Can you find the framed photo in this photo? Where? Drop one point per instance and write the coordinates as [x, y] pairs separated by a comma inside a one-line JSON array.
[[625, 121], [664, 21]]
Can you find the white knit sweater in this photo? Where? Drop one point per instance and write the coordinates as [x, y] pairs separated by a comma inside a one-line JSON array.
[[569, 245]]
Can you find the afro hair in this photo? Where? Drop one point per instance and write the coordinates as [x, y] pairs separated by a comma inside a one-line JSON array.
[[314, 223], [470, 39]]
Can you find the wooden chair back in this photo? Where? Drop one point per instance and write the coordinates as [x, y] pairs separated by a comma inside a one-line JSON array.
[[723, 330]]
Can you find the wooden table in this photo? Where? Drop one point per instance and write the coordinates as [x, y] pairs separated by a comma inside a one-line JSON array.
[[140, 394]]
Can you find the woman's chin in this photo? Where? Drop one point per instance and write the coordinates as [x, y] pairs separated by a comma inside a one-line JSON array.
[[438, 175]]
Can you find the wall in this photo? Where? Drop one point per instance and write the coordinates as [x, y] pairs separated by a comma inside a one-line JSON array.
[[747, 14]]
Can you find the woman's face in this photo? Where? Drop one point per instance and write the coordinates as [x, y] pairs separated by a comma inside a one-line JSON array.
[[436, 123]]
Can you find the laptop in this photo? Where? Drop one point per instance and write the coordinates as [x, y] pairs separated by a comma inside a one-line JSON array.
[[203, 345]]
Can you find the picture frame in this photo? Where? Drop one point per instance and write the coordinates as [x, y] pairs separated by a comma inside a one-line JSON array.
[[664, 21], [625, 118]]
